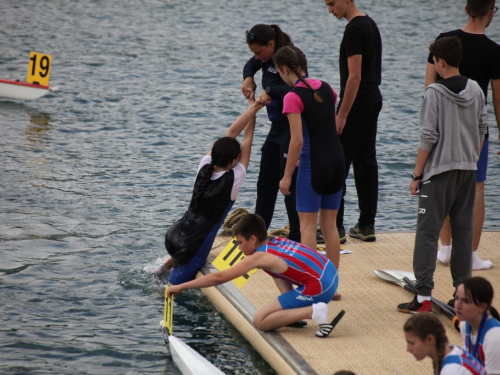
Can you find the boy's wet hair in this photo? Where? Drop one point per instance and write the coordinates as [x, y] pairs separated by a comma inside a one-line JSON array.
[[251, 225], [479, 8], [448, 49]]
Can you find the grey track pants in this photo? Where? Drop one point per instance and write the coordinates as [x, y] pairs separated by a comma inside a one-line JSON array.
[[452, 193]]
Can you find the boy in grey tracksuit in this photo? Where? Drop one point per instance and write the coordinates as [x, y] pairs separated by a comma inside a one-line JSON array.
[[452, 126]]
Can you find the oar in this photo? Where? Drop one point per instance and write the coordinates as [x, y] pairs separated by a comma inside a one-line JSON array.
[[404, 279], [447, 309]]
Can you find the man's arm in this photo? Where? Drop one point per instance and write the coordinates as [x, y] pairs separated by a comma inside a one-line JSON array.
[[351, 90], [495, 89]]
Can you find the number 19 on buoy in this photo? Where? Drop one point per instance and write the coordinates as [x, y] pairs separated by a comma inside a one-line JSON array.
[[39, 68]]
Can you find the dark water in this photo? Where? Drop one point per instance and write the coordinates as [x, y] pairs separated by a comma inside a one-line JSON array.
[[92, 175]]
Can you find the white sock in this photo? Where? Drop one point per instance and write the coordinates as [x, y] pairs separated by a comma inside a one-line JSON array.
[[479, 264], [444, 254], [320, 313], [421, 299]]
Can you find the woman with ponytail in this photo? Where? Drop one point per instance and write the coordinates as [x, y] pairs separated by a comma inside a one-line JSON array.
[[480, 325], [310, 108], [220, 175], [263, 41], [426, 337]]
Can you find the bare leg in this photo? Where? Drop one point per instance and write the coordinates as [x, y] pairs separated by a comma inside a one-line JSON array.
[[479, 264], [283, 285], [169, 263], [328, 223], [165, 267], [272, 316], [308, 227]]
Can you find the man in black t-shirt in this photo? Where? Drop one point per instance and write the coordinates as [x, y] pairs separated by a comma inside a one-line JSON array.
[[480, 62], [360, 65]]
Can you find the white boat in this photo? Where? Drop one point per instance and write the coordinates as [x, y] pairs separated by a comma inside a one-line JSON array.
[[21, 90], [188, 360]]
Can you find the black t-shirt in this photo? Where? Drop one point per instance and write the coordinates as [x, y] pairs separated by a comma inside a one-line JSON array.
[[362, 37], [480, 58]]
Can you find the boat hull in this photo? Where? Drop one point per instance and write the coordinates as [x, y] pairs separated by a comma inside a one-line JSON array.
[[21, 90]]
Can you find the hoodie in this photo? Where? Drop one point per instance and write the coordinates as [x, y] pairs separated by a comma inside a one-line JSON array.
[[452, 126]]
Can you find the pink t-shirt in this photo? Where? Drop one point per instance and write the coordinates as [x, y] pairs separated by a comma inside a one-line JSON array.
[[292, 102]]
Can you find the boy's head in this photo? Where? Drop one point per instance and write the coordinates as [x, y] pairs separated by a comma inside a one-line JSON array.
[[479, 8], [250, 231], [448, 49]]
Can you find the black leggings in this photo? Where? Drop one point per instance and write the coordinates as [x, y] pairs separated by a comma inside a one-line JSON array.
[[272, 167]]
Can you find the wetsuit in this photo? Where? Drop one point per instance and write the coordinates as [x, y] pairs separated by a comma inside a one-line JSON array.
[[316, 275], [274, 151], [190, 239], [322, 167], [485, 346]]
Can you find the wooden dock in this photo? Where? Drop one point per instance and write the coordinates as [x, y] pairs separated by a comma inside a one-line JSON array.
[[369, 339]]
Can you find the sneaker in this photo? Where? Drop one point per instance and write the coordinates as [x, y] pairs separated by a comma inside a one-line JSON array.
[[342, 234], [415, 307], [320, 240], [364, 234]]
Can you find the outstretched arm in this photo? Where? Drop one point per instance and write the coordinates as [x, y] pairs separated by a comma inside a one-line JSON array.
[[248, 116], [245, 265]]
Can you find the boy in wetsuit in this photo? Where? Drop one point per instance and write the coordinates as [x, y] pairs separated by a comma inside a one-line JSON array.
[[290, 263]]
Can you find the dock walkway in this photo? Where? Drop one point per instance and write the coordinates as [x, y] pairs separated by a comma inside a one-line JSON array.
[[369, 339]]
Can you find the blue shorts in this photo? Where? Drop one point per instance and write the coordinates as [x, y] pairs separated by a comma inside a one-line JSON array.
[[295, 298], [482, 163], [310, 201]]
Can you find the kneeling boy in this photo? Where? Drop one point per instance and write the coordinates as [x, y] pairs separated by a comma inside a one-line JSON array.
[[291, 263]]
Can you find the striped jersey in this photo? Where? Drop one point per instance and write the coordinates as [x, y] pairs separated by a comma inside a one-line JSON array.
[[305, 266]]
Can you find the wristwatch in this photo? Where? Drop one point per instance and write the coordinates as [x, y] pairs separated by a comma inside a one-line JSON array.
[[268, 90], [415, 178]]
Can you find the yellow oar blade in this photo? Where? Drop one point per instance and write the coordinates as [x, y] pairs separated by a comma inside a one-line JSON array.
[[168, 312]]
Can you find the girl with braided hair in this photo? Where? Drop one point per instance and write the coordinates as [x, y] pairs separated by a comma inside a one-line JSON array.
[[310, 108], [220, 175], [480, 325], [426, 337]]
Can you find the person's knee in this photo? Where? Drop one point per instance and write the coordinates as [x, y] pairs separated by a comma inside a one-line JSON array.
[[258, 322]]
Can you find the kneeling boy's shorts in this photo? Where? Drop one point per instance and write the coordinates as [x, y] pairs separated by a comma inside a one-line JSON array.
[[295, 298]]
